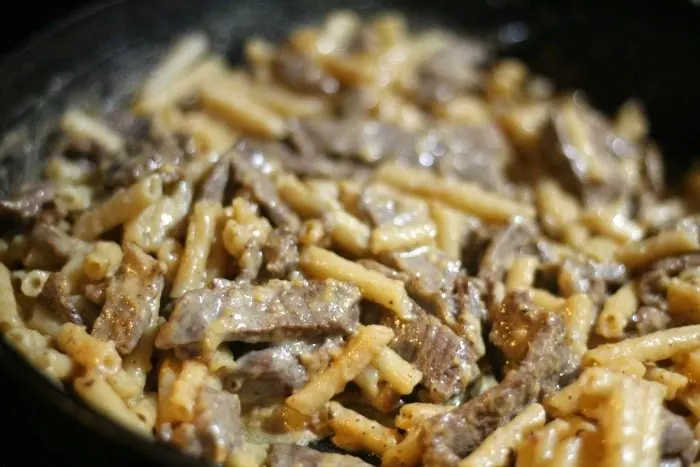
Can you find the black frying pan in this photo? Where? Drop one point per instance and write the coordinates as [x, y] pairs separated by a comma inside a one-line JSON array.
[[612, 49]]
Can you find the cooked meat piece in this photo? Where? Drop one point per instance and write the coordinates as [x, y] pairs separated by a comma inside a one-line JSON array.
[[677, 435], [588, 157], [247, 171], [516, 239], [214, 185], [54, 241], [651, 287], [588, 277], [382, 206], [216, 428], [650, 319], [132, 300], [431, 276], [447, 361], [300, 73], [471, 297], [158, 150], [272, 312], [454, 435], [56, 297], [450, 70], [281, 252], [26, 204], [292, 455], [275, 369]]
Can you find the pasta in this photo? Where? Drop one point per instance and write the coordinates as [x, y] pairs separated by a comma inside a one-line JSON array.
[[380, 239]]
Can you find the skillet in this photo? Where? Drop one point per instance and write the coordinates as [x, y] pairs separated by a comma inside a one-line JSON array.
[[610, 48]]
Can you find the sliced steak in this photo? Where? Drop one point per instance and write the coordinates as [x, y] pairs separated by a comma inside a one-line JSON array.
[[591, 160], [278, 367], [431, 275], [132, 300], [276, 311], [580, 276], [450, 437], [281, 252], [247, 171], [301, 74], [54, 241], [55, 295], [452, 69], [28, 202], [516, 239], [292, 455], [448, 362], [214, 184], [216, 428]]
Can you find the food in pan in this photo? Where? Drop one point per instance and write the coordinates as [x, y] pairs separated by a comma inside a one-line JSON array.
[[383, 240]]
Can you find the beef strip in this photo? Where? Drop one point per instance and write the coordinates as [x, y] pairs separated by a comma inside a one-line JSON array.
[[583, 151], [247, 171], [448, 362], [55, 295], [54, 241], [132, 300], [301, 74], [471, 311], [275, 311], [450, 70], [278, 367], [216, 428], [651, 287], [281, 252], [583, 276], [516, 239], [288, 455], [28, 202], [214, 184], [431, 276], [648, 319], [450, 437]]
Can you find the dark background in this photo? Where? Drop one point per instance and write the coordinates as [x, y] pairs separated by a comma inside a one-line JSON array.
[[20, 445]]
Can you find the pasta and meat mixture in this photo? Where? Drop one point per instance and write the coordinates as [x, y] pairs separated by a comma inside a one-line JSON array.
[[367, 245]]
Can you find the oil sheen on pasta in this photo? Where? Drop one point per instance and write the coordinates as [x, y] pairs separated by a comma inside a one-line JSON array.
[[367, 238]]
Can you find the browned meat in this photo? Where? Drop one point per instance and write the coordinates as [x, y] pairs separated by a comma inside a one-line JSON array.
[[677, 436], [281, 252], [132, 300], [517, 239], [247, 171], [651, 287], [54, 241], [452, 436], [275, 311], [650, 319], [56, 297], [470, 294], [451, 70], [588, 277], [431, 276], [381, 207], [301, 74], [588, 157], [28, 202], [216, 428], [291, 455], [447, 361], [214, 185]]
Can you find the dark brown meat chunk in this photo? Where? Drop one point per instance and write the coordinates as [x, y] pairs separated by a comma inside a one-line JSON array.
[[292, 455], [450, 70], [431, 276], [301, 74], [454, 435], [651, 287], [447, 361], [276, 311], [277, 367], [56, 297], [216, 428], [132, 300], [214, 185], [281, 252], [28, 202], [54, 241], [583, 151], [470, 297], [247, 171], [650, 319]]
